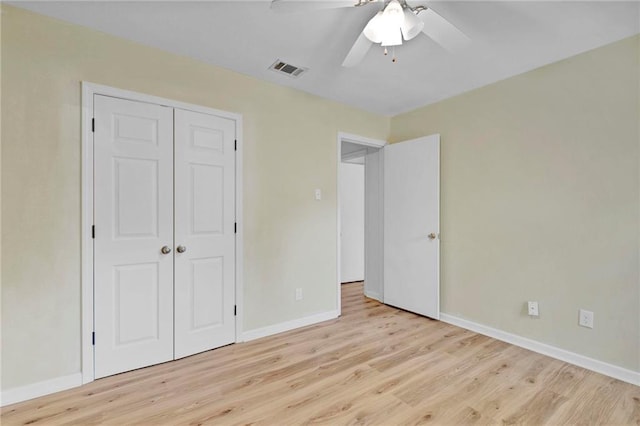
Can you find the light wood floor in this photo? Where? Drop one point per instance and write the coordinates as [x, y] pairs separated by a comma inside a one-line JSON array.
[[374, 365]]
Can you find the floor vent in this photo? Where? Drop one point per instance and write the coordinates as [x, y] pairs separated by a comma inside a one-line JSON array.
[[288, 69]]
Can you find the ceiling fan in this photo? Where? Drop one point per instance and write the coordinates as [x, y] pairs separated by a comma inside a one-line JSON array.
[[394, 22]]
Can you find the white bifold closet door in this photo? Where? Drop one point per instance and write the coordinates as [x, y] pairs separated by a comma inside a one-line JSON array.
[[164, 247]]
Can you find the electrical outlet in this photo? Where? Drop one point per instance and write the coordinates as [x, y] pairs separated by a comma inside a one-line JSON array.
[[586, 318], [298, 294], [532, 309]]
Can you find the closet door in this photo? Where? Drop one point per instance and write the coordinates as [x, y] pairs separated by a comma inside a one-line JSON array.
[[204, 232], [133, 205]]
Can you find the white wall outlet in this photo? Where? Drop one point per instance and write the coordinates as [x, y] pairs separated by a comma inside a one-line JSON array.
[[586, 318], [298, 294], [318, 194], [532, 309]]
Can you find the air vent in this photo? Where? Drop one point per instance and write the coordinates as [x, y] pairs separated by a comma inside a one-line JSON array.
[[288, 69]]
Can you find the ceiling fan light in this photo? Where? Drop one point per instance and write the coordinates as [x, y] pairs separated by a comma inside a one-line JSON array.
[[391, 21], [385, 26], [373, 30], [392, 37], [393, 14], [412, 25]]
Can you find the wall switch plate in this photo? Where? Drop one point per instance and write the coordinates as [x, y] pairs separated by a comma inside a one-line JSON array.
[[298, 294], [586, 318], [532, 309], [318, 194]]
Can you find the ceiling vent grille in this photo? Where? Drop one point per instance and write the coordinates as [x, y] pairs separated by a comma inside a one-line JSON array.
[[288, 69]]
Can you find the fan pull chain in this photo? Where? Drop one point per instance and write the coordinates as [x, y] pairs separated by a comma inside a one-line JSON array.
[[393, 53]]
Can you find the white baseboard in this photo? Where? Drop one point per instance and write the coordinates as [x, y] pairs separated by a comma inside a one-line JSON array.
[[601, 367], [288, 325], [373, 295], [23, 393]]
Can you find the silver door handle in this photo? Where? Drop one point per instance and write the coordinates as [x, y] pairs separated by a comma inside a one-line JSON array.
[[165, 250], [181, 249], [432, 236]]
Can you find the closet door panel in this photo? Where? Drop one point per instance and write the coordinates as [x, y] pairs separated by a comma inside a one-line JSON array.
[[133, 209], [204, 232]]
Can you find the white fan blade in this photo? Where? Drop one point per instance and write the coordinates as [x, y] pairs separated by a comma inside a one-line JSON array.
[[292, 6], [442, 31], [357, 52]]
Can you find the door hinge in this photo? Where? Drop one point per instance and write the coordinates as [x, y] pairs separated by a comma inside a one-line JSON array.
[[235, 310], [93, 338], [93, 124], [93, 231], [235, 145], [235, 228]]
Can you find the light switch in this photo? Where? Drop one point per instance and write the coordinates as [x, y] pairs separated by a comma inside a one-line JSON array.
[[318, 194]]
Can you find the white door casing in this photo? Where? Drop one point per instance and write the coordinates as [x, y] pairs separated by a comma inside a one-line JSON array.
[[133, 216], [412, 225], [204, 232]]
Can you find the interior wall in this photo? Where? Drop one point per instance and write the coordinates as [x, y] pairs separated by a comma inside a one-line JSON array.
[[374, 223], [43, 63], [540, 201], [351, 222]]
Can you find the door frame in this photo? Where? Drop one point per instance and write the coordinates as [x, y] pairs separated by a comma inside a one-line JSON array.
[[87, 253], [366, 143]]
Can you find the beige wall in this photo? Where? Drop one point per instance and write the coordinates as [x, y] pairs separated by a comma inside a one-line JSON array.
[[540, 201], [289, 149]]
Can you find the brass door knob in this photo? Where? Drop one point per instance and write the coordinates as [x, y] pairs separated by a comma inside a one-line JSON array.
[[432, 236], [181, 249], [165, 250]]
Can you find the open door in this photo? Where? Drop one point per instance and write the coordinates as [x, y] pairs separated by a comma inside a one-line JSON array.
[[412, 225]]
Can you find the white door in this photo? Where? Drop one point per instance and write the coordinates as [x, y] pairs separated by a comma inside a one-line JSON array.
[[133, 205], [412, 225], [351, 222], [204, 232]]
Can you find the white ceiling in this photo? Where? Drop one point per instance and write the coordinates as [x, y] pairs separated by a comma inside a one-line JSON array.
[[508, 38]]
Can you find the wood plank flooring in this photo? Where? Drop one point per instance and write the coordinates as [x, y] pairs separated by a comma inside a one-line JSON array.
[[374, 365]]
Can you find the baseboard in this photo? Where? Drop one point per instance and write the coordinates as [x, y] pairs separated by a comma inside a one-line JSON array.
[[373, 295], [288, 325], [601, 367], [23, 393]]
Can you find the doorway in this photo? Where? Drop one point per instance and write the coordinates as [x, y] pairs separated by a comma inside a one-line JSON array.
[[401, 220], [352, 221], [360, 163], [352, 215]]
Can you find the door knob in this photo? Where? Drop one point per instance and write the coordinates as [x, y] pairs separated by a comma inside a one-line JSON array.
[[181, 249], [432, 236], [165, 250]]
